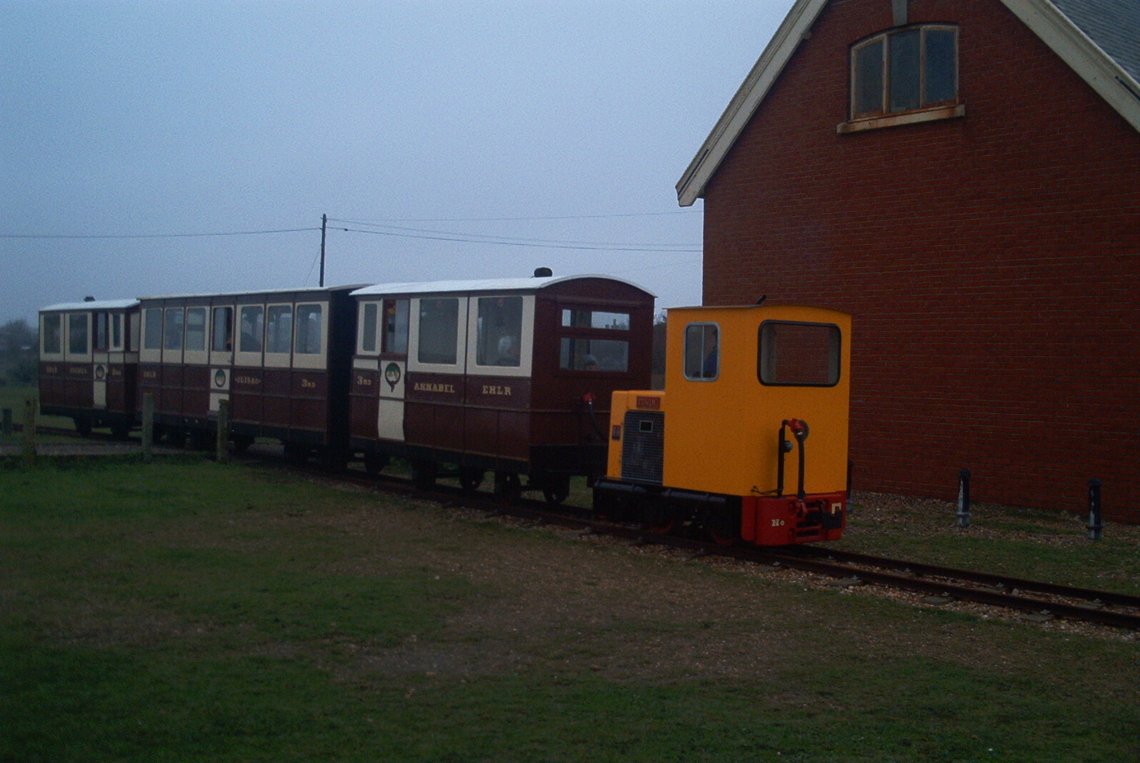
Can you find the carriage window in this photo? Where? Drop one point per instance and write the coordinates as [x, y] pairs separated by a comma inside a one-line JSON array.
[[252, 328], [153, 336], [309, 329], [77, 334], [499, 331], [223, 340], [396, 326], [368, 313], [439, 330], [116, 331], [279, 328], [702, 351], [196, 329], [53, 334], [799, 354], [172, 330], [577, 317], [100, 323], [601, 355]]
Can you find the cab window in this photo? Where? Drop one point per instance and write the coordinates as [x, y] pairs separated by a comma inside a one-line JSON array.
[[799, 354], [702, 351]]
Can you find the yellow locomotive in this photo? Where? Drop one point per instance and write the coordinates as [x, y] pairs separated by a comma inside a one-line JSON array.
[[749, 438]]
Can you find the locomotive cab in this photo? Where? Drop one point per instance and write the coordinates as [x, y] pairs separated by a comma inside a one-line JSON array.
[[749, 438]]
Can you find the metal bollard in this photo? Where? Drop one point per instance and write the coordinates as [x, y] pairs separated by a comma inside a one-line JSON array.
[[1096, 527], [964, 498]]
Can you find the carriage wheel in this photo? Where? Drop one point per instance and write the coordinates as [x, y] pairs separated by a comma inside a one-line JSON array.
[[556, 489], [470, 478], [374, 463], [423, 474], [507, 486]]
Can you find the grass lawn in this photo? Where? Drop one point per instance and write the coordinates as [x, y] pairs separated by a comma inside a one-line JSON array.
[[186, 610]]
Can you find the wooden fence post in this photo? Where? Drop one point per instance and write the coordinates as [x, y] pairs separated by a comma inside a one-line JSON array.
[[30, 429]]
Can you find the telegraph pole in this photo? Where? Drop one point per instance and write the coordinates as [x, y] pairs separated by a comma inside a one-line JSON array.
[[324, 225]]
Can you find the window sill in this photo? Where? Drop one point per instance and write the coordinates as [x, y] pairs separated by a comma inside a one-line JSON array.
[[908, 118]]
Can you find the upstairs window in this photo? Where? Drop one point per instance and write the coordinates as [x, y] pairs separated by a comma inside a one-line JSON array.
[[904, 70]]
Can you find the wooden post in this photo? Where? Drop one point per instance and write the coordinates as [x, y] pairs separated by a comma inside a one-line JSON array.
[[148, 426], [223, 430], [30, 429]]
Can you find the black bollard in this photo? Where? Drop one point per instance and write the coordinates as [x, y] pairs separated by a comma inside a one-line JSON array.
[[964, 498], [1096, 527]]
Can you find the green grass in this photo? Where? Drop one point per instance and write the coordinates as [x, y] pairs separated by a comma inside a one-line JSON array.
[[186, 610]]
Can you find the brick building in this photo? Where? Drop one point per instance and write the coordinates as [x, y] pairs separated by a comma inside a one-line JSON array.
[[963, 176]]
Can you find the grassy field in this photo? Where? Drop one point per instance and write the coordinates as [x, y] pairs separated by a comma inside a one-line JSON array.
[[186, 610]]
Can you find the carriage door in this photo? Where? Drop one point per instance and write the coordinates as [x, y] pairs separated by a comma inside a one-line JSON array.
[[100, 359], [221, 355], [393, 369]]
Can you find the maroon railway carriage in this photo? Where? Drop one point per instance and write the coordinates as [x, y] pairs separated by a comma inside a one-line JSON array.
[[281, 359], [513, 376], [89, 362]]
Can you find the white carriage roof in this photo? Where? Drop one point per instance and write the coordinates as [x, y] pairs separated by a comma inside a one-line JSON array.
[[256, 292], [482, 285], [1094, 37], [97, 304]]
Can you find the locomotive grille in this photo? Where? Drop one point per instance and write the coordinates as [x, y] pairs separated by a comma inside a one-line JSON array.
[[643, 446]]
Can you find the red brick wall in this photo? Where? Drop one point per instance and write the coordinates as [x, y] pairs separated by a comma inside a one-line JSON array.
[[992, 262]]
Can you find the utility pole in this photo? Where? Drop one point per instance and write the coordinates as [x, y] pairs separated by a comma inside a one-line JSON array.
[[324, 225]]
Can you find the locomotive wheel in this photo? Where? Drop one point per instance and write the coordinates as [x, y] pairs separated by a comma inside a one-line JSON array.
[[120, 431], [470, 478], [659, 520], [724, 527], [556, 489], [82, 425], [241, 442]]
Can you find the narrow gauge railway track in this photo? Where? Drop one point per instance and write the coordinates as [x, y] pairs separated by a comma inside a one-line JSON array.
[[946, 584]]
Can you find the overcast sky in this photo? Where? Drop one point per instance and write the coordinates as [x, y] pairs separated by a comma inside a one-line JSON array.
[[449, 136]]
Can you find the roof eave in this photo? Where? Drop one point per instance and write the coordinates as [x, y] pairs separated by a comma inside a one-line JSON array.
[[794, 29], [1098, 69]]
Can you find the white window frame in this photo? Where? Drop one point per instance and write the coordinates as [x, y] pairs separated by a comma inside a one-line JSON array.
[[526, 339], [196, 357], [68, 355], [312, 360], [44, 354], [414, 363], [278, 359], [249, 359]]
